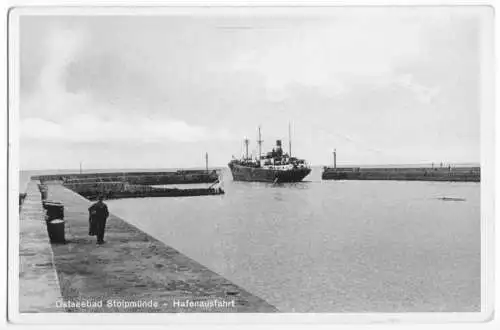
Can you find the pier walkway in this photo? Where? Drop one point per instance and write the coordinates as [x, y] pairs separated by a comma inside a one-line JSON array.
[[38, 284], [135, 268]]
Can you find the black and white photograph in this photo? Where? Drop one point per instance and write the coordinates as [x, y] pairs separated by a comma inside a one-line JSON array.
[[251, 160]]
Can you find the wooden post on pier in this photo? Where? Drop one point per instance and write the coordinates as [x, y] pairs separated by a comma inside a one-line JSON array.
[[335, 158], [80, 167]]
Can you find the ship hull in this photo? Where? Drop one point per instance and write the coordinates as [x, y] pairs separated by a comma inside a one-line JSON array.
[[257, 174]]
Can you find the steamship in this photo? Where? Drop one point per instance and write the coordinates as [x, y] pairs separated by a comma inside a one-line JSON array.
[[275, 166]]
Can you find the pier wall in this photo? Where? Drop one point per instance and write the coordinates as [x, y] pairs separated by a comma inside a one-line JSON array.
[[142, 178], [130, 267], [456, 174], [117, 190], [38, 282]]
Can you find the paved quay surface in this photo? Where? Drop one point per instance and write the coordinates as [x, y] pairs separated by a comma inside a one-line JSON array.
[[38, 283], [136, 268]]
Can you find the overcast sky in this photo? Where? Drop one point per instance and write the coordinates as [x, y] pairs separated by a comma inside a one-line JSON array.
[[383, 86]]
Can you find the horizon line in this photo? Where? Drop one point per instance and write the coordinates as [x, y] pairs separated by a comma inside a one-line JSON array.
[[224, 166]]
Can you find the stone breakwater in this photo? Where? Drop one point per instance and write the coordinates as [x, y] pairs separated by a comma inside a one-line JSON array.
[[139, 178], [131, 272], [136, 184], [453, 174], [118, 190]]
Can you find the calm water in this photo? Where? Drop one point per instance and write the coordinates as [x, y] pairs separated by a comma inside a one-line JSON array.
[[330, 246]]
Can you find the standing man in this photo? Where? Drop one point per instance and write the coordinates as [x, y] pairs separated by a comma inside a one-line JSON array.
[[98, 213]]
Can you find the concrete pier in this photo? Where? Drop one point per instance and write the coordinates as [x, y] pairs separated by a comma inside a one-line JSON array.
[[38, 282], [451, 174], [128, 272], [143, 178]]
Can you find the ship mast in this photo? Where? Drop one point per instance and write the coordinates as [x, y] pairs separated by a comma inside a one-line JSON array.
[[259, 141], [289, 141]]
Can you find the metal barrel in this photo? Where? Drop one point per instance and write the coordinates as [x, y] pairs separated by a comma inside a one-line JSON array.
[[53, 210], [55, 229]]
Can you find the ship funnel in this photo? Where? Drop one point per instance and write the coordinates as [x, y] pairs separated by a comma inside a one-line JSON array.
[[278, 143]]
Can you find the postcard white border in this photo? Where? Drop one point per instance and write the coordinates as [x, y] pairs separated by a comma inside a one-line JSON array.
[[487, 191]]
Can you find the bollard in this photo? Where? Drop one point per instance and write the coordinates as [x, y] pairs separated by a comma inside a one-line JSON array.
[[55, 229]]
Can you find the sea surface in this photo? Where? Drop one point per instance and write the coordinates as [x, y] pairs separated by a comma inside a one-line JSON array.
[[330, 246]]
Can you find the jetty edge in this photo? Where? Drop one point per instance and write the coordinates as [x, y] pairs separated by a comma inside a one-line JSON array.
[[145, 178], [39, 287], [127, 274], [451, 174], [117, 185]]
